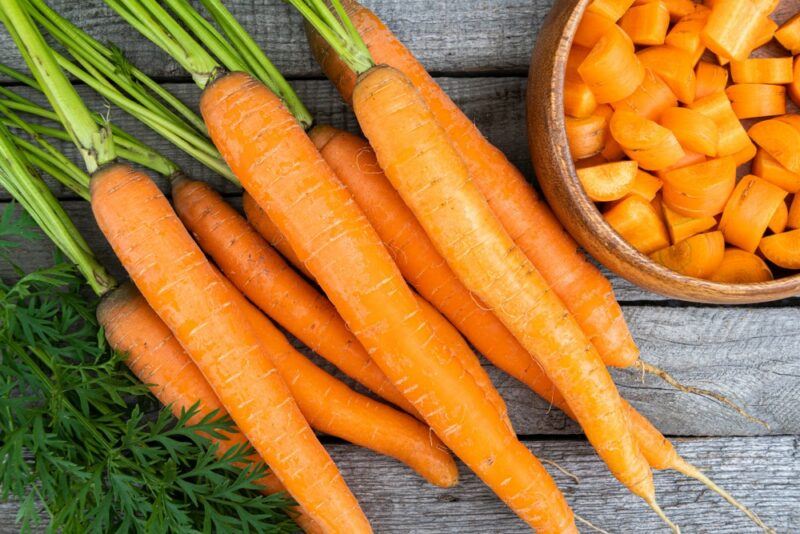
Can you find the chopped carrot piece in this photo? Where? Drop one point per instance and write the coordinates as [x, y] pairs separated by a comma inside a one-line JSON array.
[[646, 24], [591, 28], [579, 101], [749, 211], [612, 9], [650, 99], [732, 135], [637, 221], [782, 249], [779, 220], [674, 66], [776, 70], [794, 213], [612, 70], [733, 27], [682, 227], [645, 185], [591, 161], [650, 144], [746, 154], [794, 86], [702, 189], [763, 33], [685, 35], [586, 136], [611, 150], [740, 267], [788, 35], [694, 131], [698, 256], [751, 100], [710, 79], [780, 140], [608, 182], [689, 158], [768, 168], [677, 8]]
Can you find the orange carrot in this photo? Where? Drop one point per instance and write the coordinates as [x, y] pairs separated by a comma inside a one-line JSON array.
[[646, 185], [711, 79], [732, 27], [740, 267], [280, 167], [745, 155], [586, 136], [635, 219], [771, 70], [591, 28], [689, 158], [782, 249], [779, 219], [779, 139], [646, 24], [612, 151], [681, 227], [788, 35], [267, 229], [685, 35], [196, 307], [732, 135], [698, 256], [694, 131], [652, 146], [794, 86], [793, 220], [674, 66], [611, 69], [611, 9], [700, 190], [650, 99], [749, 211], [677, 8], [751, 100], [608, 182], [579, 101]]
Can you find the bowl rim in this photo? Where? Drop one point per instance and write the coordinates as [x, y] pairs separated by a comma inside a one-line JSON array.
[[613, 242]]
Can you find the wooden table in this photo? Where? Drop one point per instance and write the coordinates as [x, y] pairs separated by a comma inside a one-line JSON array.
[[479, 51]]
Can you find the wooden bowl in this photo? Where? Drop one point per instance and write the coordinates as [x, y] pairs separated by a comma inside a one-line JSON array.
[[556, 174]]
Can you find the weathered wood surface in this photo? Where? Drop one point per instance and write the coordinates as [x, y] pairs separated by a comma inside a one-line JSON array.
[[762, 472]]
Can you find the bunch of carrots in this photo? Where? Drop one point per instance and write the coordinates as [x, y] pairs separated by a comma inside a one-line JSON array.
[[666, 103], [419, 238]]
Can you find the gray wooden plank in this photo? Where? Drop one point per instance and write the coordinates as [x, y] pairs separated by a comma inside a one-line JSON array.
[[467, 36], [761, 472]]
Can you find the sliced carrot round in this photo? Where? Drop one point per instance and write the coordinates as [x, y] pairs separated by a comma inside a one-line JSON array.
[[711, 79], [694, 131], [772, 70], [751, 100], [586, 136], [608, 182], [749, 211], [780, 140], [637, 221], [740, 267], [681, 227], [611, 70], [768, 168], [698, 256], [732, 135], [650, 144], [674, 66], [650, 99], [646, 24], [700, 190], [782, 249]]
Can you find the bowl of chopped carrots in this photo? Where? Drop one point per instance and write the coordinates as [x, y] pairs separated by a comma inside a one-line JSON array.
[[666, 137]]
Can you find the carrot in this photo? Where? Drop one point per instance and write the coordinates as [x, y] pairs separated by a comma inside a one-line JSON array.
[[612, 151], [689, 158], [639, 224], [794, 86], [190, 300], [677, 8], [611, 9], [579, 101], [650, 99], [685, 34], [740, 267], [274, 287], [652, 146], [698, 256], [586, 136], [611, 69], [524, 215], [749, 211], [710, 78], [780, 140], [793, 220], [772, 70], [280, 167], [646, 24], [788, 35], [694, 131], [646, 185], [732, 27], [779, 219], [681, 227], [782, 249], [591, 28], [674, 66], [745, 155], [612, 181], [700, 190], [732, 135], [753, 100]]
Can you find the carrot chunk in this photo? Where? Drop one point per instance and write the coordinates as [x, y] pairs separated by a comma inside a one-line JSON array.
[[646, 24], [751, 100], [732, 135], [611, 149], [745, 155], [782, 249], [681, 227], [749, 211], [788, 35], [637, 221], [685, 35], [740, 267], [700, 190], [579, 101], [646, 185], [780, 140], [698, 256], [793, 221], [676, 8], [608, 182], [612, 9], [650, 144], [591, 28], [586, 137], [674, 66], [711, 79], [694, 131], [780, 219], [768, 168], [775, 70], [611, 69], [733, 27], [650, 99], [689, 158], [794, 85]]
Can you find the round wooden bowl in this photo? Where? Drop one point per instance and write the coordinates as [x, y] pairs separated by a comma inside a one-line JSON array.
[[556, 174]]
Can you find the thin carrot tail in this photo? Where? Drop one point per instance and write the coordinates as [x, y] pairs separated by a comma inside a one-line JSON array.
[[682, 466], [657, 509], [722, 399]]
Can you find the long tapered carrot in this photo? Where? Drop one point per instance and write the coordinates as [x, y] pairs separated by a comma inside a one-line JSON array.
[[526, 217], [182, 287], [280, 167]]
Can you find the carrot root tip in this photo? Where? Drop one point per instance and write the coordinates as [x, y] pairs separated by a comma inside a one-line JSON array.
[[590, 524], [657, 509], [563, 469]]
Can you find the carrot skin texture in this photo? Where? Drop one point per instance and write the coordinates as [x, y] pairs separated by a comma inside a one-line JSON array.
[[419, 160], [190, 300], [280, 167], [258, 271], [525, 216]]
